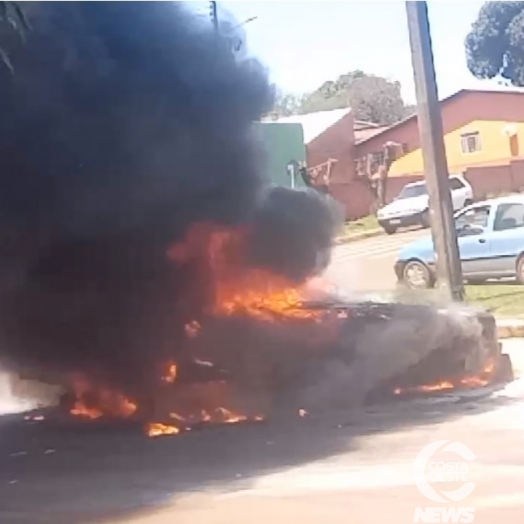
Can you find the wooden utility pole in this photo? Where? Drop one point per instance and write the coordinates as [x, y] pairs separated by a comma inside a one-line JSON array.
[[449, 271], [214, 16]]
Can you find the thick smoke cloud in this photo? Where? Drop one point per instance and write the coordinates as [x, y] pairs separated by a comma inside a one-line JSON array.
[[122, 124], [440, 338], [115, 110], [299, 227]]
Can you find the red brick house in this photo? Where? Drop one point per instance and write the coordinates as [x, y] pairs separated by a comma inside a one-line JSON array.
[[483, 132]]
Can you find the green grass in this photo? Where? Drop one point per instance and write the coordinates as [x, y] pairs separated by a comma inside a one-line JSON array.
[[500, 299], [366, 223], [505, 300]]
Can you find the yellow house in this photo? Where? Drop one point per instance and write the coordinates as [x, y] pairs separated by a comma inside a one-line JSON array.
[[481, 129]]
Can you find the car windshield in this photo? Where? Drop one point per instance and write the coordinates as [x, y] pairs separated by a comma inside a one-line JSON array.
[[413, 191]]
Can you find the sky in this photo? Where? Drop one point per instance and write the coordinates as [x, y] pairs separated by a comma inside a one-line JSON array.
[[303, 44]]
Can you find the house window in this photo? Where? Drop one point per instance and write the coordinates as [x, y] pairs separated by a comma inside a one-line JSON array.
[[470, 142]]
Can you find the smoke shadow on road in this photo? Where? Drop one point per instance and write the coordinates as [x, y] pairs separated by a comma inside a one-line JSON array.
[[75, 473]]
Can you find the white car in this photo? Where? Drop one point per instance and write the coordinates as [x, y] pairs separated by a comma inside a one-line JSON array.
[[411, 206]]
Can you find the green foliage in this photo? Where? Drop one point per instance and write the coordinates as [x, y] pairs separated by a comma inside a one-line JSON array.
[[372, 99], [409, 110], [288, 104], [501, 299], [495, 45], [364, 224]]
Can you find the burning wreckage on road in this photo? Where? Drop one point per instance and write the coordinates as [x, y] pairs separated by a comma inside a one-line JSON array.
[[149, 268], [255, 360]]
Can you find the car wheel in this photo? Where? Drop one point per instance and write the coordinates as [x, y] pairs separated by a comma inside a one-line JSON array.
[[417, 275], [390, 230], [520, 269], [425, 219]]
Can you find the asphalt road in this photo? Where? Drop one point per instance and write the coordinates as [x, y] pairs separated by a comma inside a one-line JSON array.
[[334, 468], [366, 266]]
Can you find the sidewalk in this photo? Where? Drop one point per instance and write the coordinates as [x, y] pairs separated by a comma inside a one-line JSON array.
[[353, 237], [510, 328]]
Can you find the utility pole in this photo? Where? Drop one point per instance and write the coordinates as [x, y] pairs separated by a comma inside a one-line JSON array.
[[449, 271], [214, 16]]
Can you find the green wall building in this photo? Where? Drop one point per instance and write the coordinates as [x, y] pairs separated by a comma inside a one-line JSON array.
[[285, 152]]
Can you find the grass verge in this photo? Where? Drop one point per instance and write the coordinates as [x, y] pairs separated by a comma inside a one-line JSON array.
[[501, 299], [366, 223]]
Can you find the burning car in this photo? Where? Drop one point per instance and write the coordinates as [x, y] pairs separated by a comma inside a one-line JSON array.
[[147, 265], [264, 351]]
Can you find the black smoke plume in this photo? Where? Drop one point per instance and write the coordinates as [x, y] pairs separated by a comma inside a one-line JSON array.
[[298, 227], [122, 124]]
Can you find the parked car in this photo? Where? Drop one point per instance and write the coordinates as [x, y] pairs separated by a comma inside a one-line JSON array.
[[491, 245], [411, 206]]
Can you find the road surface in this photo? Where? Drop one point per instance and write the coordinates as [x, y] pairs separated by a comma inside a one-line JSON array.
[[337, 468], [333, 468], [366, 266]]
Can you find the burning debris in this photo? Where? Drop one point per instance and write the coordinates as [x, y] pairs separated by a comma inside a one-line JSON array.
[[145, 264], [483, 378], [157, 429], [104, 401]]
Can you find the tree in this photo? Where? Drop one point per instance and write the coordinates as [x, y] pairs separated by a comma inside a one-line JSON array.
[[372, 98], [409, 110], [495, 45], [287, 104], [319, 177], [373, 169]]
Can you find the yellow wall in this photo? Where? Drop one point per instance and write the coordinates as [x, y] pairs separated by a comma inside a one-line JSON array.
[[494, 149]]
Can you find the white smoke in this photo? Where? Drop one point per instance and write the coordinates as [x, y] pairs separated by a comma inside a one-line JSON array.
[[387, 349], [18, 396]]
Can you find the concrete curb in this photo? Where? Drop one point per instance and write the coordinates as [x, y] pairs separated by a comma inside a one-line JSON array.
[[347, 239], [510, 328]]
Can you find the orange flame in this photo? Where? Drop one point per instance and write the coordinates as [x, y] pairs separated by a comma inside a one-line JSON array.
[[171, 374], [469, 381], [220, 416], [228, 417], [261, 295], [108, 402], [156, 429], [239, 288], [81, 410]]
